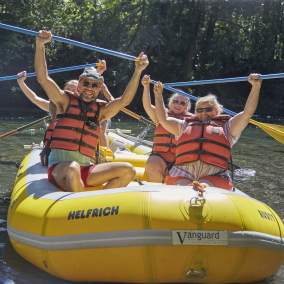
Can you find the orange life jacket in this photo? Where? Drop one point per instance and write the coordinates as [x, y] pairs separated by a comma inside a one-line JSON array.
[[164, 141], [48, 132], [205, 141], [46, 142], [78, 128]]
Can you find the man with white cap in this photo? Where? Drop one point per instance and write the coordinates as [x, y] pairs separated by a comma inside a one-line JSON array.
[[75, 138]]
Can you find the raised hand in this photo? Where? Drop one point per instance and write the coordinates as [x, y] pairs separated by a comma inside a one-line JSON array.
[[141, 62], [101, 66], [158, 89], [255, 80], [22, 76], [44, 37], [146, 81]]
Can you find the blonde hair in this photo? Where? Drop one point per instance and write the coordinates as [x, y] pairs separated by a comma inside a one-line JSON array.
[[70, 82], [212, 101], [175, 95]]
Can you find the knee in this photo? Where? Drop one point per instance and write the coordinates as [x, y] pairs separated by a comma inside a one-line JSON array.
[[128, 171], [73, 170], [152, 167]]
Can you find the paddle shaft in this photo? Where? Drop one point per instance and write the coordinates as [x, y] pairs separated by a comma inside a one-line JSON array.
[[72, 42], [12, 132], [51, 71], [136, 116], [222, 81]]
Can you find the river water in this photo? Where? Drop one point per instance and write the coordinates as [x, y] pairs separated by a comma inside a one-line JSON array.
[[260, 158]]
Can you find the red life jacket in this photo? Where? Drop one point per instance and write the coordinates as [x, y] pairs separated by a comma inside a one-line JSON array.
[[48, 132], [205, 141], [78, 128], [46, 142], [164, 141]]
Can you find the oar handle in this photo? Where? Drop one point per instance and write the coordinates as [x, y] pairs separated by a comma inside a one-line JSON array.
[[72, 42], [50, 71], [222, 81]]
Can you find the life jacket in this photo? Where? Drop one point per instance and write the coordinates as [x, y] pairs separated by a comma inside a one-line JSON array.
[[205, 141], [164, 141], [48, 132], [46, 142], [78, 128]]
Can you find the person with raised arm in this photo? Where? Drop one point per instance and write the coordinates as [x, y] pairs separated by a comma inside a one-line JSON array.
[[75, 138], [204, 141], [163, 155], [47, 106]]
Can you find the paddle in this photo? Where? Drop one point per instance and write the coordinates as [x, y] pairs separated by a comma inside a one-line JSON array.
[[274, 130], [72, 42], [50, 71], [222, 81], [136, 116], [14, 131]]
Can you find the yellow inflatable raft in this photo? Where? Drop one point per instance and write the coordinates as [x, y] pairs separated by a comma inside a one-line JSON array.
[[145, 233]]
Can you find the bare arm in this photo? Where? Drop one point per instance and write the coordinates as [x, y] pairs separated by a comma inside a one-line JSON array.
[[146, 99], [171, 124], [241, 120], [52, 90], [30, 94], [113, 107]]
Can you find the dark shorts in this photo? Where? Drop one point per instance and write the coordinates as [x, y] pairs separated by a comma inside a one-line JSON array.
[[85, 172]]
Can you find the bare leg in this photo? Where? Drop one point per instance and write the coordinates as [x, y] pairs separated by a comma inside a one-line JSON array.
[[68, 176], [155, 169], [115, 174]]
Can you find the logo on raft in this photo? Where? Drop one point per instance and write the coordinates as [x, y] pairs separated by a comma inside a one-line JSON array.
[[93, 212], [199, 237], [266, 215]]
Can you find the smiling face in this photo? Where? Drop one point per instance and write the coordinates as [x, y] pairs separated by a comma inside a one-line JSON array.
[[206, 111], [178, 104], [207, 107], [89, 88]]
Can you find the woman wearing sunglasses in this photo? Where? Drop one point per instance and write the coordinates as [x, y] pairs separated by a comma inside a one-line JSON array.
[[163, 154], [204, 141]]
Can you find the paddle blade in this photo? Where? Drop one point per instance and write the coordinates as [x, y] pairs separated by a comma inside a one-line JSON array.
[[274, 130]]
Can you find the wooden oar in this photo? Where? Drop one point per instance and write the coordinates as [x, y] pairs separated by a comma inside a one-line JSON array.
[[14, 131], [137, 116], [274, 130]]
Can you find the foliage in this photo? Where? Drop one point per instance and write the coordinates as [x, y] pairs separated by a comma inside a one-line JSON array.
[[184, 39]]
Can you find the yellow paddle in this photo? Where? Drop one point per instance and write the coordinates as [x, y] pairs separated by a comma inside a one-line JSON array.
[[274, 130], [14, 131]]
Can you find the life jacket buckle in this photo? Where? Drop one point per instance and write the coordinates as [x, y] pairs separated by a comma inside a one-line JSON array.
[[197, 201], [196, 273]]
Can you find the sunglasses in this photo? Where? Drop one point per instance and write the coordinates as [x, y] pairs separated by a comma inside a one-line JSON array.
[[204, 109], [182, 103], [87, 84]]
